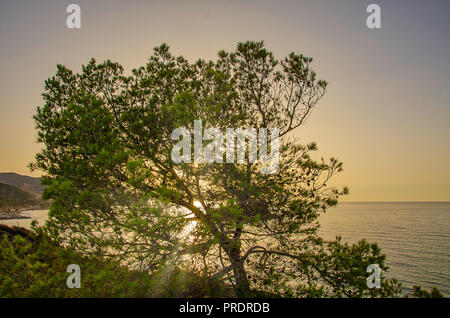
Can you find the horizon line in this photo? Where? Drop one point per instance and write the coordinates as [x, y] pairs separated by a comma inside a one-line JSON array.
[[361, 201], [399, 201]]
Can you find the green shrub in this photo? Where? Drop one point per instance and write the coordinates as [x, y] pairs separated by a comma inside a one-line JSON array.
[[34, 266]]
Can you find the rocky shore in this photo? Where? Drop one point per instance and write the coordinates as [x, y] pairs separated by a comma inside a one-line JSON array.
[[12, 216]]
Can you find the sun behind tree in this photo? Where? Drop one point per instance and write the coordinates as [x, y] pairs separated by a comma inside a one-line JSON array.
[[116, 191]]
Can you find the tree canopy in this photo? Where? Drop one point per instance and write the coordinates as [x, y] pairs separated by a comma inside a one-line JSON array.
[[116, 192]]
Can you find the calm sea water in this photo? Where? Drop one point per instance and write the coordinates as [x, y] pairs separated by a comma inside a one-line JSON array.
[[414, 236]]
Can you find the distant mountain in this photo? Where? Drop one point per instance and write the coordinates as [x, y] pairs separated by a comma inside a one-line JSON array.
[[14, 198], [25, 183]]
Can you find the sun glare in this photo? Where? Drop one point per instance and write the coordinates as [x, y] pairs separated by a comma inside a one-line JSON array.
[[191, 226]]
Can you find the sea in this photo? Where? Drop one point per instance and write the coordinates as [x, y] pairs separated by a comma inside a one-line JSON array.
[[415, 236]]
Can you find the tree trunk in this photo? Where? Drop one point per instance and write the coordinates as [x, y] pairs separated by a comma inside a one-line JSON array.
[[242, 288]]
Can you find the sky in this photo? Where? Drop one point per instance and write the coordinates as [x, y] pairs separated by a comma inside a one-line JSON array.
[[385, 114]]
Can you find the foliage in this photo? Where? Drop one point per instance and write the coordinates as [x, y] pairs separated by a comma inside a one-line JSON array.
[[35, 266], [422, 293], [116, 192]]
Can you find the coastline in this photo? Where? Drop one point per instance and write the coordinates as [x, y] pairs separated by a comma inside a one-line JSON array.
[[13, 216], [17, 214]]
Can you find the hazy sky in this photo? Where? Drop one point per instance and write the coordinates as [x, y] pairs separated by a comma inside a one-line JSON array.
[[385, 115]]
